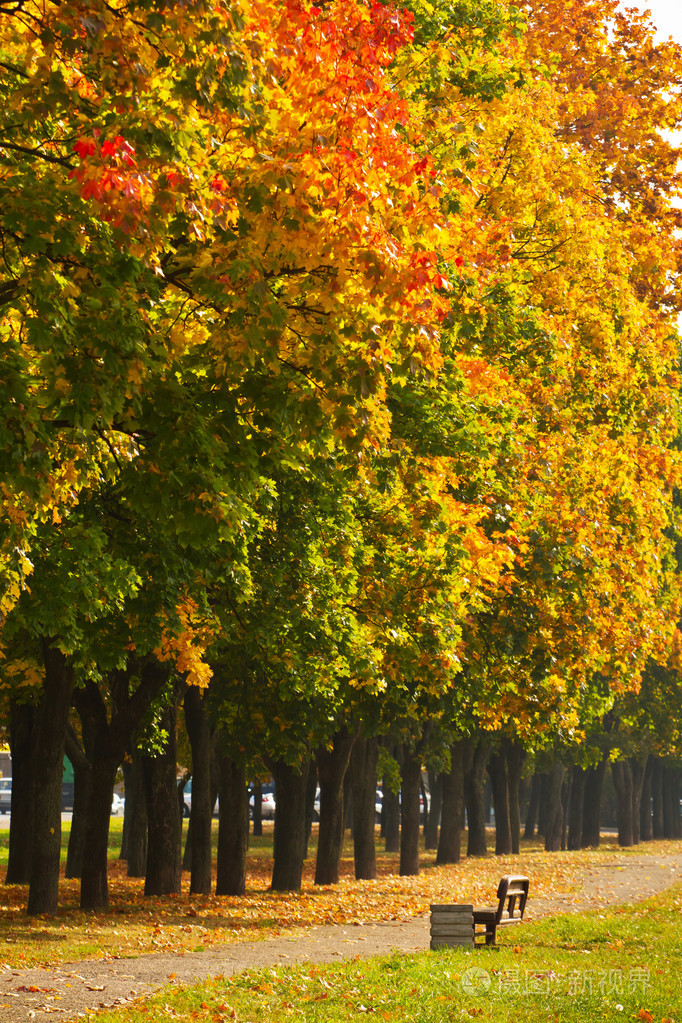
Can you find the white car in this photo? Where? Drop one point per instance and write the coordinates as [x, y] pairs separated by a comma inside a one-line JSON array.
[[118, 805]]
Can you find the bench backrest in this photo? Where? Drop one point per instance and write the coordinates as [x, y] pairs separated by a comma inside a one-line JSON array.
[[512, 893]]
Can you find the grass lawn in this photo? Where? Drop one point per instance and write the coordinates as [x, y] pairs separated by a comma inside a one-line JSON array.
[[622, 964]]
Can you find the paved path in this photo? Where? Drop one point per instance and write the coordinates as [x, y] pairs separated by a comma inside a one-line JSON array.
[[68, 992]]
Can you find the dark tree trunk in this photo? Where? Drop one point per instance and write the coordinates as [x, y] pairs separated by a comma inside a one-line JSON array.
[[331, 770], [555, 810], [543, 804], [657, 795], [575, 816], [594, 780], [622, 782], [566, 793], [48, 764], [136, 816], [515, 759], [637, 768], [390, 808], [533, 806], [410, 774], [289, 846], [452, 781], [671, 801], [474, 799], [310, 793], [125, 768], [233, 830], [497, 770], [257, 790], [435, 805], [363, 779], [199, 832], [111, 736], [646, 831], [22, 718], [164, 822], [81, 760]]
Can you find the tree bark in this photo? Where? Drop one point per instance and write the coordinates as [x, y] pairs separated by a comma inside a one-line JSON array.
[[657, 795], [289, 846], [637, 768], [497, 770], [363, 779], [136, 816], [310, 793], [474, 800], [555, 810], [410, 774], [432, 826], [594, 779], [390, 806], [622, 782], [199, 831], [21, 725], [450, 838], [516, 756], [575, 816], [81, 760], [233, 829], [164, 874], [533, 806], [646, 830], [331, 769], [50, 734]]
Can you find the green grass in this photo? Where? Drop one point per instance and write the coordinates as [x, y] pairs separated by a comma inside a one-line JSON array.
[[622, 964]]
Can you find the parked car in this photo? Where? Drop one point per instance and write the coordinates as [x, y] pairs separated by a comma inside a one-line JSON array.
[[5, 795], [187, 801], [267, 803], [118, 805]]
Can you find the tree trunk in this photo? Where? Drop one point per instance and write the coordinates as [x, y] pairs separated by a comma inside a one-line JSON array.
[[638, 768], [452, 781], [646, 830], [289, 846], [474, 799], [533, 806], [657, 797], [199, 832], [257, 790], [515, 759], [594, 779], [390, 808], [432, 825], [363, 779], [136, 816], [233, 829], [310, 793], [622, 782], [555, 809], [21, 725], [81, 760], [94, 887], [48, 764], [575, 816], [331, 770], [497, 770], [164, 823], [410, 774], [671, 801]]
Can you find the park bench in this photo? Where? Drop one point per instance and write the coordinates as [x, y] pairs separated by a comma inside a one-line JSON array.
[[512, 893]]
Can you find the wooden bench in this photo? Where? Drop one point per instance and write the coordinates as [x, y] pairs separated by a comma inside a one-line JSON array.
[[512, 894]]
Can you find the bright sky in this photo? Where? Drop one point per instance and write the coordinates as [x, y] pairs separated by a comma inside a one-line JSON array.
[[666, 15]]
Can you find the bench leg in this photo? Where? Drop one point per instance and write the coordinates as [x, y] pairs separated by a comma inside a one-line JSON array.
[[490, 934]]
